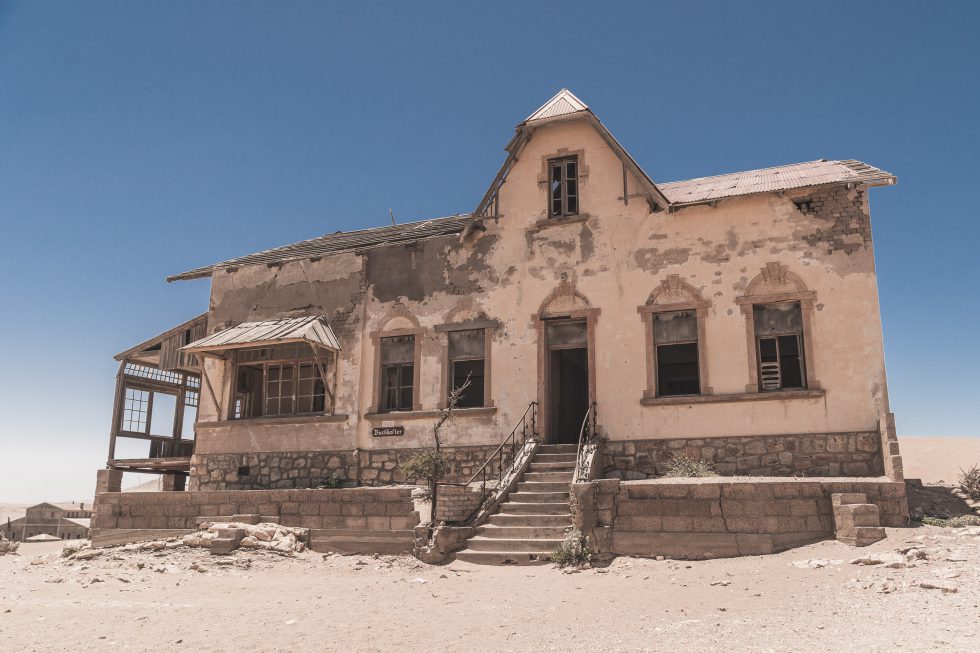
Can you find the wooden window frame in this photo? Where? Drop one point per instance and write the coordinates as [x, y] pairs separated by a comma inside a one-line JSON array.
[[563, 162], [489, 328], [647, 313], [321, 372], [802, 356], [376, 337], [806, 301]]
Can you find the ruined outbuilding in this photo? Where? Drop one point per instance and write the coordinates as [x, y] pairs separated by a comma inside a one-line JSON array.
[[732, 319]]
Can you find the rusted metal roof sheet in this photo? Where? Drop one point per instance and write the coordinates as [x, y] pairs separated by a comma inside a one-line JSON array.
[[563, 103], [766, 180], [312, 329], [341, 241]]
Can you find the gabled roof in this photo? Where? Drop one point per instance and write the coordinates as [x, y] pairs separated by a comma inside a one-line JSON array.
[[311, 329], [563, 103], [140, 353], [768, 180], [340, 241], [564, 106]]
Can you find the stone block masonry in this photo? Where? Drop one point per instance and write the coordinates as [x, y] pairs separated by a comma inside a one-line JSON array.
[[380, 509], [825, 454], [308, 469], [710, 517]]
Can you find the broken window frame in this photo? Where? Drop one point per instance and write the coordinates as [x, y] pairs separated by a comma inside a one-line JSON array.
[[648, 313], [561, 171], [136, 377], [266, 367], [772, 374]]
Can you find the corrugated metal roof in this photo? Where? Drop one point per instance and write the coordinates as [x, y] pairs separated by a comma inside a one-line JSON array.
[[311, 329], [563, 103], [341, 241], [797, 175]]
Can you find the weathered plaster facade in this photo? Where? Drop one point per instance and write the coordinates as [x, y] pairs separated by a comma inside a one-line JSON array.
[[614, 264]]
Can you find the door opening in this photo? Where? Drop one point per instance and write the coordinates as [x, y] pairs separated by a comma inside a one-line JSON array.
[[569, 400]]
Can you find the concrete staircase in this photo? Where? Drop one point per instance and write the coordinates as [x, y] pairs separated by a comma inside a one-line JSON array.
[[534, 519], [856, 522]]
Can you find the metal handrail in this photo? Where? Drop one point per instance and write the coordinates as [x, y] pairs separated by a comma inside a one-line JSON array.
[[585, 435], [505, 454]]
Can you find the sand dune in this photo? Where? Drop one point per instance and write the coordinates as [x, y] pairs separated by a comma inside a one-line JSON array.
[[937, 460]]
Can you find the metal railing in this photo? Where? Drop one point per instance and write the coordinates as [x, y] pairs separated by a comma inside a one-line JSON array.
[[500, 462], [586, 444]]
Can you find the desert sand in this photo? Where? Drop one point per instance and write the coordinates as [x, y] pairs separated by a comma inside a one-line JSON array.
[[808, 599], [938, 460]]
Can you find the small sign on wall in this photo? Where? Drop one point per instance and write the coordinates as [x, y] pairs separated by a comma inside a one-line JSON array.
[[387, 431]]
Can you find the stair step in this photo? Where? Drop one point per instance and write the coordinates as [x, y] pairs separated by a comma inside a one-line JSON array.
[[540, 545], [523, 532], [504, 557], [554, 457], [548, 477], [515, 508], [539, 497], [557, 448], [552, 467], [538, 486], [537, 521]]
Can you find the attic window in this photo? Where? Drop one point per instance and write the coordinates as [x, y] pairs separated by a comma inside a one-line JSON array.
[[563, 184]]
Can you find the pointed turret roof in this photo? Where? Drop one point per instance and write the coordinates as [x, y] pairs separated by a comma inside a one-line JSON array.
[[563, 103]]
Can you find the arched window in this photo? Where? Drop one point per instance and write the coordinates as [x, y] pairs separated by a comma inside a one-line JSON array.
[[397, 354], [674, 323], [466, 337], [778, 311]]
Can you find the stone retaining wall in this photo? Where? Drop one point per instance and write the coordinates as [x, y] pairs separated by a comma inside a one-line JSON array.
[[354, 508], [307, 469], [827, 454], [708, 518]]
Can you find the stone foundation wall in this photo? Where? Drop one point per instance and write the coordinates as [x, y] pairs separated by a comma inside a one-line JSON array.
[[354, 508], [709, 518], [307, 469], [829, 454]]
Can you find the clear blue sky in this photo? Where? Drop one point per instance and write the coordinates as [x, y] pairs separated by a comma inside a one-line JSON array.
[[140, 139]]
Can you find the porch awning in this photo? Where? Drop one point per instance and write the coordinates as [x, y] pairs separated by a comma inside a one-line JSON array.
[[312, 330]]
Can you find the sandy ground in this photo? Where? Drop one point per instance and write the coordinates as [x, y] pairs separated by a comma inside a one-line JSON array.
[[259, 602], [937, 460]]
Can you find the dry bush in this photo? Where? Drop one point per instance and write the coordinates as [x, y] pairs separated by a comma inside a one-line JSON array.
[[963, 520], [684, 467], [970, 482], [7, 546], [572, 552]]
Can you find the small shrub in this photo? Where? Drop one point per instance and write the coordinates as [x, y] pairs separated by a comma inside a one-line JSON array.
[[934, 521], [8, 546], [573, 551], [329, 483], [684, 467], [963, 520], [429, 466], [970, 482]]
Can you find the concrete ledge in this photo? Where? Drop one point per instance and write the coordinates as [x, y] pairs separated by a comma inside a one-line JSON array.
[[684, 400], [117, 536]]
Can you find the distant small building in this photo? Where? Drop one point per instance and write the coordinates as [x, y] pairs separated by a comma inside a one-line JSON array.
[[66, 521]]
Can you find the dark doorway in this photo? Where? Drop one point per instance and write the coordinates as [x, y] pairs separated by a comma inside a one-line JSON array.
[[569, 400]]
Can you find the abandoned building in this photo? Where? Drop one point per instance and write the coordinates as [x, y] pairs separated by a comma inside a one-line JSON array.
[[732, 319], [66, 521]]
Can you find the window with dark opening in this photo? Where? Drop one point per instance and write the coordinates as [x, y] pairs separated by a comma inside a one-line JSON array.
[[675, 336], [779, 340], [276, 381], [397, 373], [563, 175], [467, 359]]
